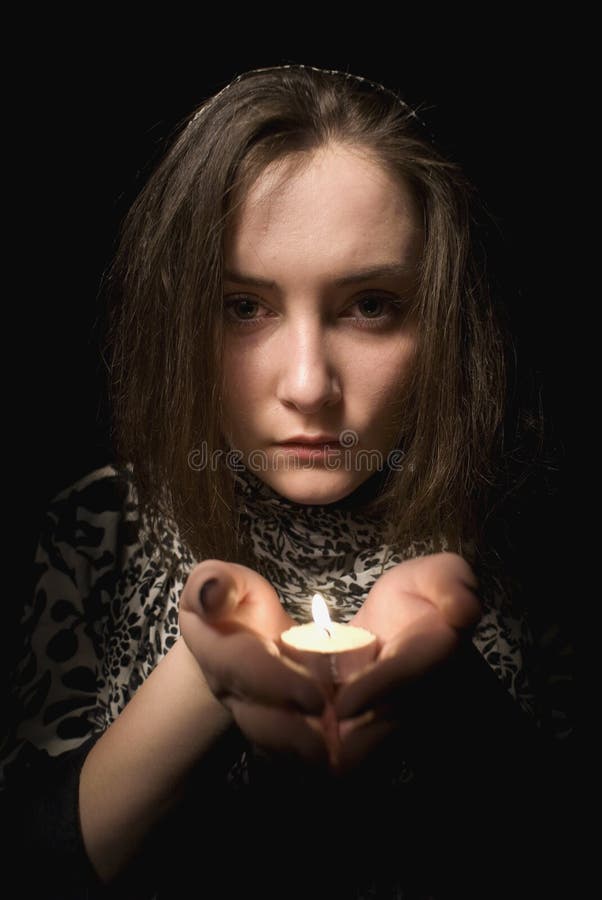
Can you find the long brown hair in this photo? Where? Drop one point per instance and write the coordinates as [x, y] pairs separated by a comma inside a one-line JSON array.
[[165, 320]]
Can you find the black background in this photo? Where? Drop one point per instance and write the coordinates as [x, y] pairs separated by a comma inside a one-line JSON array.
[[92, 108], [91, 118]]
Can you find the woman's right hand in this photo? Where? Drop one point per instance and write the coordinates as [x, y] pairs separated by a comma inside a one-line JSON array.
[[230, 619]]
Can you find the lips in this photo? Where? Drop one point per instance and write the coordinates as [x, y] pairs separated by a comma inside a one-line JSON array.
[[310, 452], [305, 440]]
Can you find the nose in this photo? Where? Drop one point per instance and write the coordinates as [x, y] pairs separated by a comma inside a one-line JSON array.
[[308, 378]]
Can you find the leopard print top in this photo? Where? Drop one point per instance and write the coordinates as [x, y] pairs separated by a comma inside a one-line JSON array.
[[104, 612]]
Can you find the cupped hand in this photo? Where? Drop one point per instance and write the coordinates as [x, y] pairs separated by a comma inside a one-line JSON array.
[[419, 611], [230, 619]]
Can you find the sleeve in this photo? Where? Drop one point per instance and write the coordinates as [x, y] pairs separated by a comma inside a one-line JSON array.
[[488, 733], [55, 716], [531, 653]]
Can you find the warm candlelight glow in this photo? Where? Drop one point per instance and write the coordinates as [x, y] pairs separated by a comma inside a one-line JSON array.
[[319, 611], [331, 650]]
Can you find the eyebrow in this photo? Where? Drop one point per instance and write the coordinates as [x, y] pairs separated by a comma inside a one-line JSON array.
[[385, 270]]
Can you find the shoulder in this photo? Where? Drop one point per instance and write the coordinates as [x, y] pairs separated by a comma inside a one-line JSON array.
[[86, 512], [107, 487], [99, 516], [87, 531]]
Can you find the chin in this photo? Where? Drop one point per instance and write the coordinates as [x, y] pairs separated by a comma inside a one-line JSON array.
[[313, 487]]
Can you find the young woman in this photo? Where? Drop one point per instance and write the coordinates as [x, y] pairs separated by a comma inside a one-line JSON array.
[[308, 383]]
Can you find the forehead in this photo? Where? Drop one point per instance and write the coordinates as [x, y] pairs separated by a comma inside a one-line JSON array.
[[337, 198]]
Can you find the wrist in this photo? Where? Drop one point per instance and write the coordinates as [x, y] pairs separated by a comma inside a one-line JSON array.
[[193, 672]]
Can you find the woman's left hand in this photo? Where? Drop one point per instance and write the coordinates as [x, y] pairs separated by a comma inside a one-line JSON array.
[[418, 611]]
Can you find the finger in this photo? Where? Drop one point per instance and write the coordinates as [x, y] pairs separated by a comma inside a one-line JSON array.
[[287, 733], [449, 583], [361, 737], [425, 644], [211, 590], [226, 592], [330, 729], [241, 663]]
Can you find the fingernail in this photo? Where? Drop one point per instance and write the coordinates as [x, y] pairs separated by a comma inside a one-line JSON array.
[[209, 595]]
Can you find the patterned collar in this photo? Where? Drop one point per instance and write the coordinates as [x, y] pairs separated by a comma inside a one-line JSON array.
[[337, 549]]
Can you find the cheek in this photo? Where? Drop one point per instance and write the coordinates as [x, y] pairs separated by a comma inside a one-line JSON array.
[[379, 378], [236, 368], [244, 381]]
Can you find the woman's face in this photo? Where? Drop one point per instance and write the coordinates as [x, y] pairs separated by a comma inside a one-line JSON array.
[[314, 344]]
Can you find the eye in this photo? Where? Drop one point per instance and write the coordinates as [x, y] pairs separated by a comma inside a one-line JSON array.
[[378, 309], [372, 307], [242, 310]]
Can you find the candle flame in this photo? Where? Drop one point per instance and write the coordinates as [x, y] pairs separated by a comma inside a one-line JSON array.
[[319, 611]]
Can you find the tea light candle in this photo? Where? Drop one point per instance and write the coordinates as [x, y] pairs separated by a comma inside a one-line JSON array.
[[331, 651]]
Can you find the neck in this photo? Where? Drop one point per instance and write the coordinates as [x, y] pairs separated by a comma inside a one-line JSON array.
[[253, 486]]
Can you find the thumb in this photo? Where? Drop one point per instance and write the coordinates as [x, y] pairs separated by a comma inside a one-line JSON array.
[[211, 591], [217, 598]]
